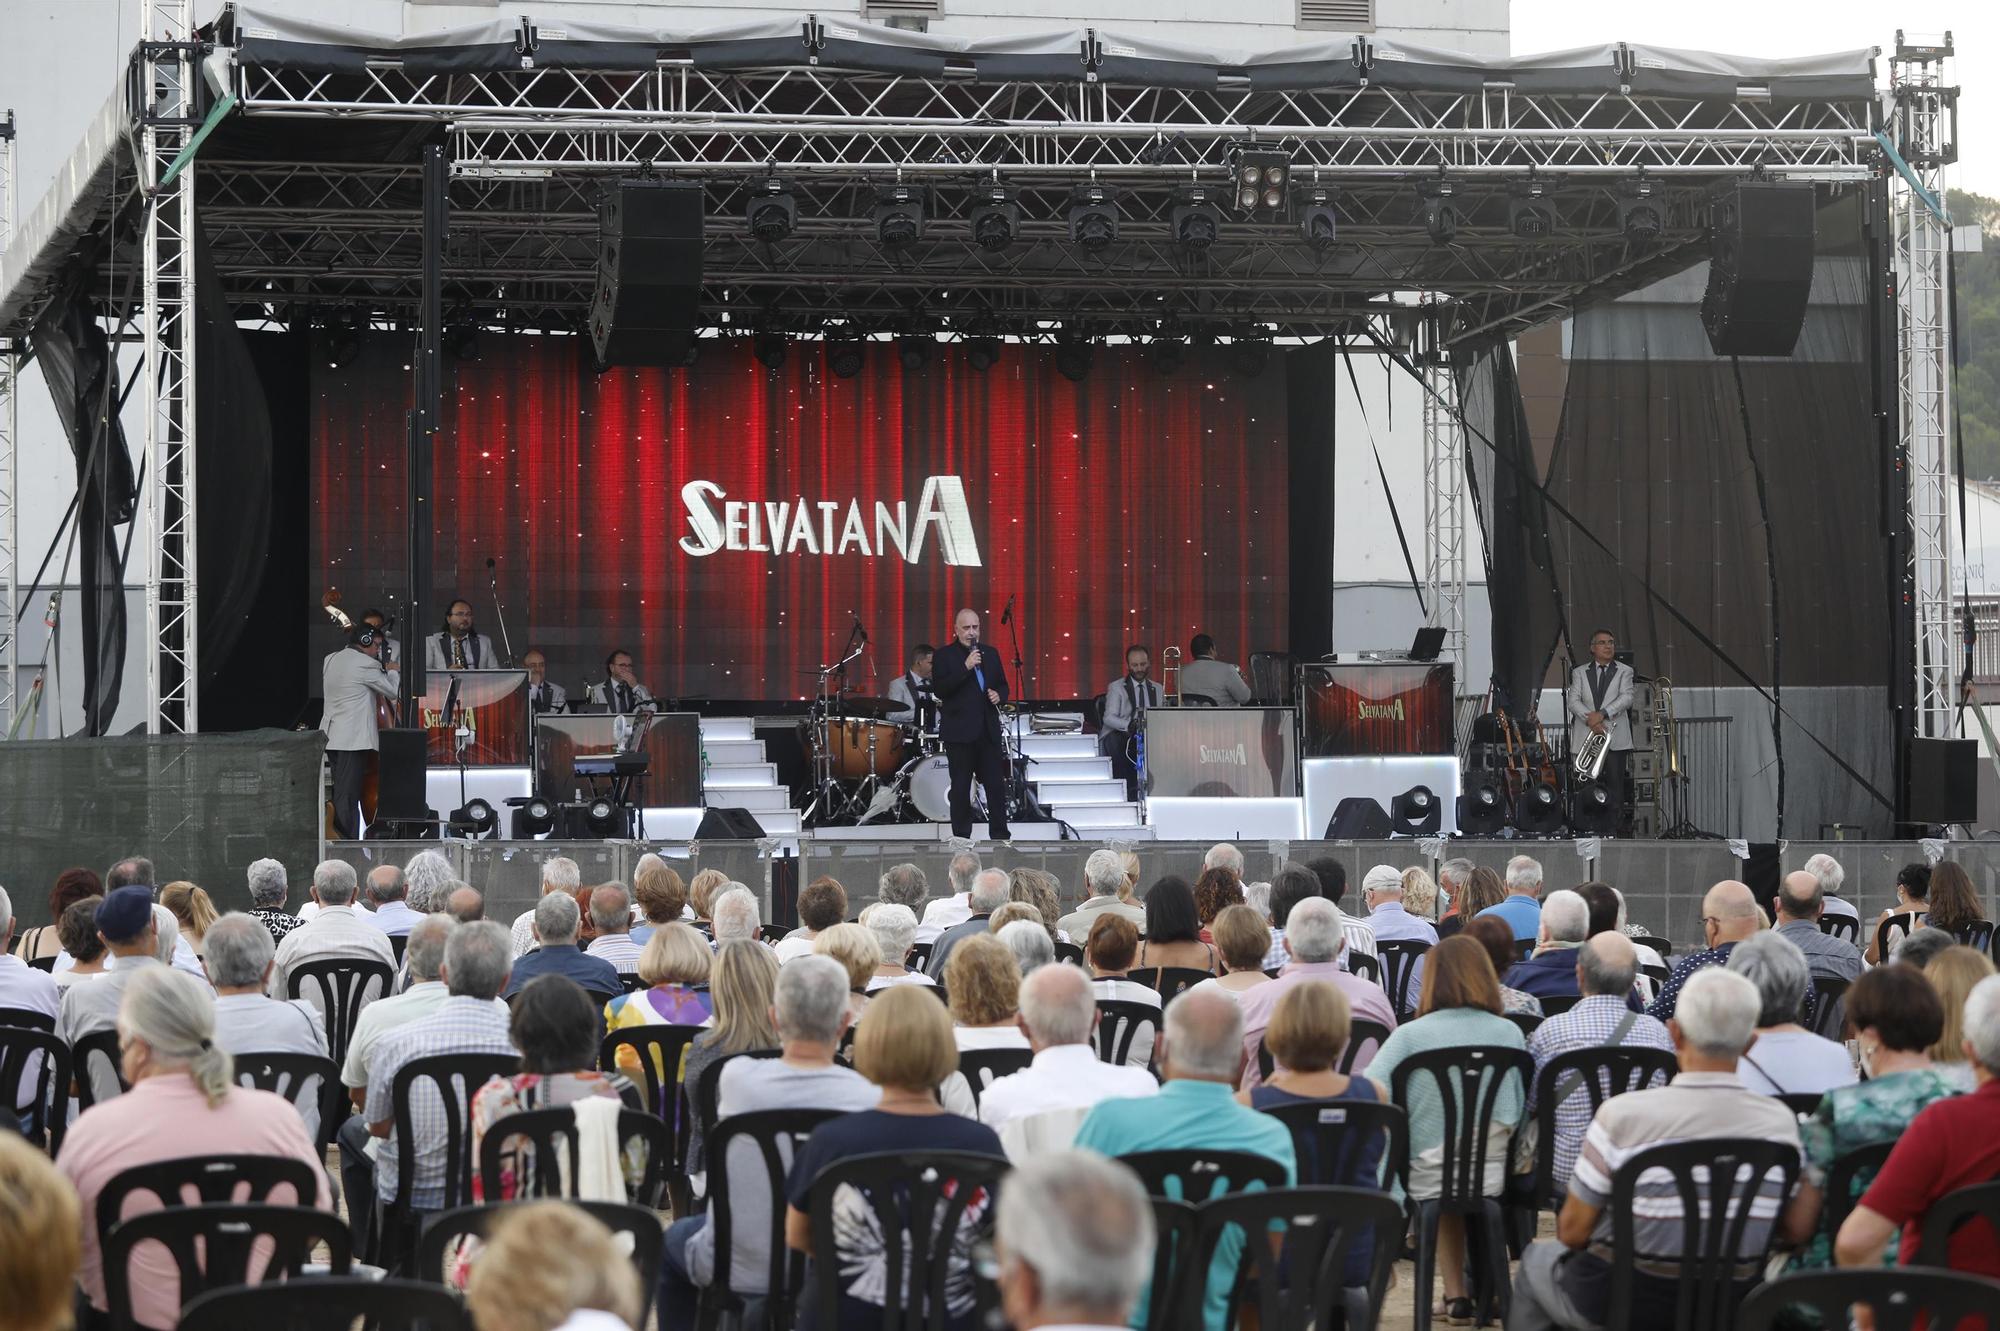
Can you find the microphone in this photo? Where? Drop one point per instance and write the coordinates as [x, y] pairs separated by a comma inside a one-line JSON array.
[[858, 626], [1007, 615]]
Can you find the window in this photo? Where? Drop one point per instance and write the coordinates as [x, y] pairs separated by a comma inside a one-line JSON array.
[[1337, 15]]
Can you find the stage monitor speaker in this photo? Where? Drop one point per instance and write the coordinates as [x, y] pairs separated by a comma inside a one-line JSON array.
[[1760, 267], [1358, 818], [1944, 781], [729, 825], [648, 272]]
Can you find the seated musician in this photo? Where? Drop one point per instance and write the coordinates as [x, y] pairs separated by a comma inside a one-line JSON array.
[[1206, 677], [621, 690], [1127, 699], [916, 705], [544, 694]]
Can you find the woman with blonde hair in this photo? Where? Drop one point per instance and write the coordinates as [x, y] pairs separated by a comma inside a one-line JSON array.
[[1242, 940], [743, 984], [701, 895], [192, 909], [855, 948], [1953, 972], [658, 893], [40, 1240], [546, 1263], [675, 968], [1420, 892], [1482, 889], [1037, 889], [984, 986]]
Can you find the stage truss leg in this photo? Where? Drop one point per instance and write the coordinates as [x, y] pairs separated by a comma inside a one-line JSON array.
[[168, 70], [1924, 128], [1444, 511], [10, 471]]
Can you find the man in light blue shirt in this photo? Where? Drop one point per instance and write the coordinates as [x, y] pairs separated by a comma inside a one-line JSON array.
[[1522, 908], [392, 914], [1196, 1109], [1382, 894]]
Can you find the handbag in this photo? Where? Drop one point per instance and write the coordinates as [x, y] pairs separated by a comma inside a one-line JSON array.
[[1527, 1137]]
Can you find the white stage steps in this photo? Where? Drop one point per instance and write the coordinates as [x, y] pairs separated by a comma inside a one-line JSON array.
[[738, 777], [1074, 783]]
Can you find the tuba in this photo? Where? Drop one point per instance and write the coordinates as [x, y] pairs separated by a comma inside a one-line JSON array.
[[1589, 759], [1170, 675]]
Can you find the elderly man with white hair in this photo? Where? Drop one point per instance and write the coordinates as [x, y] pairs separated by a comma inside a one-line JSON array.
[[1521, 907], [1075, 1242], [268, 890], [1030, 943], [1222, 855], [1196, 1109], [735, 913], [1313, 944], [428, 879], [1566, 1281], [1950, 1145], [1832, 875], [559, 874], [1453, 875], [1382, 895], [990, 890], [895, 928], [237, 951], [1110, 893], [1550, 971], [943, 913], [1039, 1108], [336, 932]]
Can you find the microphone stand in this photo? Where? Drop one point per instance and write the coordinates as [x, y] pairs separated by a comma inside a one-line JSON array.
[[1020, 682], [493, 581]]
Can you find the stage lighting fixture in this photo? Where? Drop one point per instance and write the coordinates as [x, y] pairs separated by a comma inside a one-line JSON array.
[[982, 353], [607, 818], [845, 356], [773, 211], [1440, 212], [1531, 214], [1539, 811], [1592, 811], [476, 821], [899, 216], [770, 349], [1073, 358], [1642, 213], [533, 818], [1196, 219], [914, 351], [1249, 354], [343, 339], [1166, 352], [1317, 221], [996, 218], [1261, 179], [1481, 811], [1415, 812], [1093, 217]]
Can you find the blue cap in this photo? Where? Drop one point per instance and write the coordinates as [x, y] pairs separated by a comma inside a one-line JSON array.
[[125, 913]]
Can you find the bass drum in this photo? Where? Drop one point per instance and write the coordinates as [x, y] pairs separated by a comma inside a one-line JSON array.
[[928, 781]]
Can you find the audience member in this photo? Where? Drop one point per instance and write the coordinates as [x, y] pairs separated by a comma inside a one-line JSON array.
[[736, 914], [1074, 1241], [1452, 877], [1948, 1146], [1728, 916], [1953, 972], [822, 905], [559, 874], [984, 985], [1606, 966], [610, 908], [41, 1233], [1242, 941], [811, 1013], [1038, 1109], [1033, 887], [1550, 970], [1788, 1059], [674, 967], [1314, 943], [131, 933], [1566, 1281], [743, 983], [660, 895], [903, 885], [895, 928], [1521, 907], [1257, 896], [703, 889], [1390, 920], [1360, 934], [193, 913], [21, 985], [1172, 935], [1801, 902], [1224, 856], [81, 944], [551, 1266], [465, 903], [268, 891], [948, 912], [1954, 904], [1460, 1006], [1292, 884], [1196, 1109], [1828, 871], [427, 880], [1109, 952], [1420, 895], [337, 931], [1607, 915], [554, 1025], [1011, 912], [855, 948], [1104, 880], [904, 1046], [1216, 889], [132, 871], [1496, 937], [553, 951], [392, 915], [1029, 941], [247, 1019], [1913, 886], [1920, 947], [989, 892], [1483, 890], [182, 1103], [172, 949], [72, 886]]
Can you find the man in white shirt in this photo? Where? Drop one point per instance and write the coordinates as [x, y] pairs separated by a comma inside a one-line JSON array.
[[30, 990], [611, 915], [1104, 877], [337, 931], [1038, 1109], [945, 912], [237, 950], [393, 915], [1831, 875], [1075, 1243], [559, 874]]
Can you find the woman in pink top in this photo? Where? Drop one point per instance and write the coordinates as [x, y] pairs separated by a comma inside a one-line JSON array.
[[182, 1103]]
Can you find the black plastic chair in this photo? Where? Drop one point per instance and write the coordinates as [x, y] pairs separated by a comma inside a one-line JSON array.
[[1360, 1033], [1529, 1022], [1468, 1082], [1657, 974], [1598, 1074], [1119, 1021], [46, 965], [1221, 1171], [1847, 928], [1849, 1177], [632, 983], [1824, 1014], [343, 985], [552, 1139], [1659, 945], [398, 945], [1524, 948], [1398, 958], [1712, 1244], [216, 1179], [918, 1200], [1175, 1228], [97, 1047], [47, 1117], [456, 1078], [1554, 1005], [216, 1245], [981, 1066], [28, 1017], [1802, 1103], [310, 1082], [1302, 1285], [1170, 982], [1978, 935], [1069, 952], [328, 1303], [1329, 1137], [1901, 926], [1364, 965], [1950, 1211], [443, 1230], [776, 1134], [775, 933], [920, 956], [1902, 1298], [708, 1090], [662, 1051]]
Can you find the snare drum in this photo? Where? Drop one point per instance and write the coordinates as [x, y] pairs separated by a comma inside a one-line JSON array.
[[862, 748]]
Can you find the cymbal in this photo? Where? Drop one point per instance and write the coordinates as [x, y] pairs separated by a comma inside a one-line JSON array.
[[856, 705]]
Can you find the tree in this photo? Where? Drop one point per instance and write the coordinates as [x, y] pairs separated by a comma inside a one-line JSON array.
[[1977, 292]]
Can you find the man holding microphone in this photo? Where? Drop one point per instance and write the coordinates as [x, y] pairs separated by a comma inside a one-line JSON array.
[[970, 686]]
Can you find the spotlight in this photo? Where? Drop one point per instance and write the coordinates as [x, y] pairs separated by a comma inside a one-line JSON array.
[[1166, 352], [1415, 812], [1249, 354], [1440, 212], [982, 353], [770, 349], [996, 218], [1530, 213], [476, 821], [1539, 811], [773, 211], [1261, 180], [605, 818], [1641, 212], [845, 356], [1481, 811], [1317, 221], [1592, 811], [1196, 219], [533, 818], [1073, 358], [914, 351], [1093, 217], [899, 216]]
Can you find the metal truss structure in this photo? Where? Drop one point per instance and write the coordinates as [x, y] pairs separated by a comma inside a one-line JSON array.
[[1444, 510], [10, 466]]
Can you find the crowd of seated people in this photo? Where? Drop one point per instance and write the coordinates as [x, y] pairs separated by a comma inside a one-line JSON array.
[[854, 1040]]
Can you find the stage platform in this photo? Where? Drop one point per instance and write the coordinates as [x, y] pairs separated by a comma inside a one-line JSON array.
[[1663, 881]]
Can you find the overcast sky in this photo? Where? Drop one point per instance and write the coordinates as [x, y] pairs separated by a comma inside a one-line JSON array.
[[1790, 27]]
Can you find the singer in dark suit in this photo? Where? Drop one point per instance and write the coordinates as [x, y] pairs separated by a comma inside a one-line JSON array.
[[970, 686]]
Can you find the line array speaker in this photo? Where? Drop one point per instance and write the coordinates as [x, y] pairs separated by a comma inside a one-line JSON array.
[[648, 272], [1760, 267]]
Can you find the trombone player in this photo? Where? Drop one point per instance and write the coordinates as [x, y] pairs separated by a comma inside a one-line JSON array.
[[1599, 702]]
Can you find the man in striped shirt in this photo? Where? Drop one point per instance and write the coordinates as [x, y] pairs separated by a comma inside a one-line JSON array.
[[1567, 1282]]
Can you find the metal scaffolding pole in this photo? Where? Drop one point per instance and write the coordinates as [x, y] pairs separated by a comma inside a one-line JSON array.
[[167, 69], [1444, 509], [10, 471], [1924, 125]]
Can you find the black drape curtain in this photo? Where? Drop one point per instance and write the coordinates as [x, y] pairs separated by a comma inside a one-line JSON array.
[[1310, 424]]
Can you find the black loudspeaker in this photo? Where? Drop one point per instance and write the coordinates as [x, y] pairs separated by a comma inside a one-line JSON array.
[[404, 762], [1760, 267], [1944, 781], [728, 825], [648, 272], [1358, 818]]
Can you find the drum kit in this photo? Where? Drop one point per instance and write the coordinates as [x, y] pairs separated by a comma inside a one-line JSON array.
[[869, 769]]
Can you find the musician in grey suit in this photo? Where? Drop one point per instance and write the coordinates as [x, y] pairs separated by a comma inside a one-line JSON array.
[[544, 694], [352, 680], [1600, 699], [459, 646], [1218, 681], [621, 690], [1127, 699]]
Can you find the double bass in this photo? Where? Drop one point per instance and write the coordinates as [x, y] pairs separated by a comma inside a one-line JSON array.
[[385, 716]]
